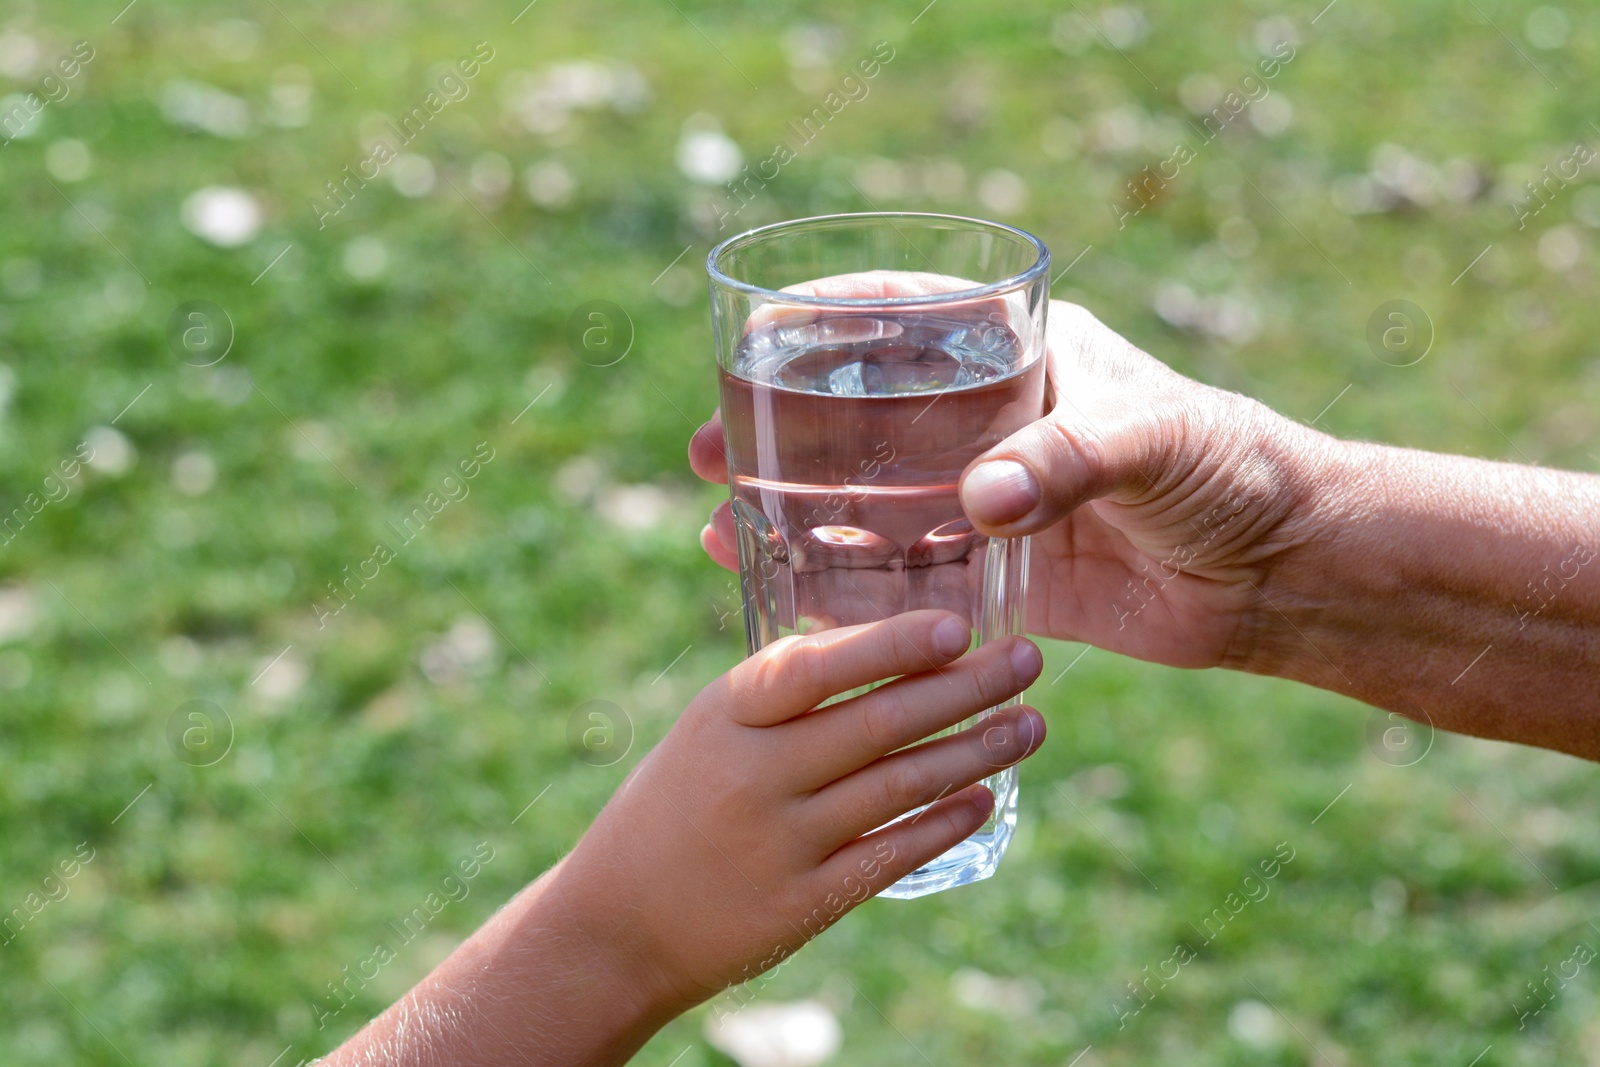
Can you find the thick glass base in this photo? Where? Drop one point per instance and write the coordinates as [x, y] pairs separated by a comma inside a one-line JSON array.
[[971, 860]]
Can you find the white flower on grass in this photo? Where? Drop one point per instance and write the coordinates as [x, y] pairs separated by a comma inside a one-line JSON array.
[[1271, 115], [198, 106], [706, 154], [110, 452], [944, 179], [800, 1033], [629, 90], [231, 385], [1003, 192], [881, 179], [19, 55], [21, 112], [290, 97], [1275, 31], [1177, 304], [1253, 1023], [413, 175], [1460, 181], [223, 216], [468, 648], [1200, 92], [543, 101], [548, 184], [582, 83], [634, 507], [1560, 248], [490, 176], [17, 614], [1355, 194], [180, 656], [578, 479], [1404, 175], [365, 259], [1011, 998], [193, 473], [812, 46], [1229, 318], [312, 441], [1117, 130], [1124, 27], [535, 105], [279, 680], [1546, 27], [67, 160], [1586, 206]]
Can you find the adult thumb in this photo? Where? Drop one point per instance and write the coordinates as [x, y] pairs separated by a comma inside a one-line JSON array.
[[1043, 472]]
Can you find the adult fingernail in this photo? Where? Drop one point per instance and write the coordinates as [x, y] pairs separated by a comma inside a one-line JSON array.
[[999, 491], [1026, 660], [951, 637]]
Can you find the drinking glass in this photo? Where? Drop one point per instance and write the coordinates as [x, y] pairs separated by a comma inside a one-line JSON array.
[[864, 361]]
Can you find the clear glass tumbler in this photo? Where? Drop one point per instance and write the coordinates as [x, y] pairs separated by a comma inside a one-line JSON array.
[[864, 362]]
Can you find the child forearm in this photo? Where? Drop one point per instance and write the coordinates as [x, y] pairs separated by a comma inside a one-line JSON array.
[[537, 984]]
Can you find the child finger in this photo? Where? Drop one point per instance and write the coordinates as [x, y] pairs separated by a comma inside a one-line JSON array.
[[721, 553], [793, 675], [866, 866], [847, 736], [912, 777], [708, 451]]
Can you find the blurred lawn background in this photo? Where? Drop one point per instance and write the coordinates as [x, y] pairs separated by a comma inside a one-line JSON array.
[[374, 354]]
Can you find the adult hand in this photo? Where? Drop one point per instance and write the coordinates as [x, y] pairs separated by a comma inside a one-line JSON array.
[[1158, 506]]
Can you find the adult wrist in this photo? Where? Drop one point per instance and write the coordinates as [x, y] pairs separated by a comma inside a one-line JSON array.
[[1318, 484]]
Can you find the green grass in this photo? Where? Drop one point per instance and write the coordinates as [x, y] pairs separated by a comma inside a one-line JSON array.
[[219, 905]]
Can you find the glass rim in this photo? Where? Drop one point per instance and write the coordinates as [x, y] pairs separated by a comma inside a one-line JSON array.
[[1040, 265]]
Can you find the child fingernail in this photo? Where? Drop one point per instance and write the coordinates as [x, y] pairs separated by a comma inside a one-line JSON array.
[[951, 637], [1026, 660], [1030, 727], [981, 799]]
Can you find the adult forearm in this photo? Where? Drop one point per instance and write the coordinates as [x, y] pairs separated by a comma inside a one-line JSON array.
[[1456, 591], [536, 985]]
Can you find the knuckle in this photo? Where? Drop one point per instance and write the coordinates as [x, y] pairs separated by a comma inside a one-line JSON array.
[[1076, 447], [886, 721], [902, 785], [765, 675], [808, 667], [743, 787], [909, 647], [997, 740], [792, 664], [995, 680], [952, 821]]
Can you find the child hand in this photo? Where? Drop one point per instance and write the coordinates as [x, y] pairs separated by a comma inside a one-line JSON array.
[[732, 843], [739, 837]]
